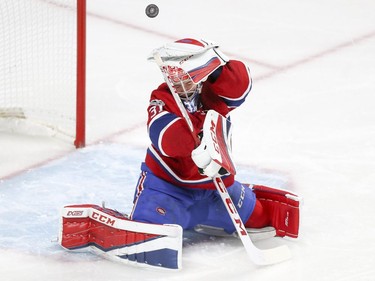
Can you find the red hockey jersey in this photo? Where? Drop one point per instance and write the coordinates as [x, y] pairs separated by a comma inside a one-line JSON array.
[[169, 155]]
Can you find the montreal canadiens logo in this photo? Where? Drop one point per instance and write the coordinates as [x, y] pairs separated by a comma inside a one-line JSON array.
[[161, 211]]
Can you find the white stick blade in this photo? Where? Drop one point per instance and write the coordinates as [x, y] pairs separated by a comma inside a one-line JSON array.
[[270, 256]]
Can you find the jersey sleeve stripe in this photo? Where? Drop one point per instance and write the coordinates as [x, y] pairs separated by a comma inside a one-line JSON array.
[[158, 126]]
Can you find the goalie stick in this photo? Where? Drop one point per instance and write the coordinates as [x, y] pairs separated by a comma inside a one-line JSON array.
[[256, 234], [258, 256]]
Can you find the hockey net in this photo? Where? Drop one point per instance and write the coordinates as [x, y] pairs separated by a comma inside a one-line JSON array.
[[42, 70]]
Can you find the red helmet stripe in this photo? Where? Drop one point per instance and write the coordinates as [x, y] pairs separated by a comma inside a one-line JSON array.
[[199, 73], [191, 41]]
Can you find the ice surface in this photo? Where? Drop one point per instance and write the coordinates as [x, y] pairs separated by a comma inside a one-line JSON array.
[[308, 125]]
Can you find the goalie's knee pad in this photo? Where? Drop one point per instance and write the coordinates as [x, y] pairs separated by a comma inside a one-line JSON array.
[[282, 209]]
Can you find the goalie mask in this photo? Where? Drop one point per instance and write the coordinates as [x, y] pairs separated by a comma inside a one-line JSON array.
[[187, 90], [187, 63]]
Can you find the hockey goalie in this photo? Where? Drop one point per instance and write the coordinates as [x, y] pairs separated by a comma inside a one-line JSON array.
[[190, 132]]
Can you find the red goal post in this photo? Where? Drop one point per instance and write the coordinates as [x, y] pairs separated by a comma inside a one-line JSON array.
[[42, 69]]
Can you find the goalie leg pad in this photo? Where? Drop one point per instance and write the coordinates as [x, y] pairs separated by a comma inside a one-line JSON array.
[[282, 209], [112, 235]]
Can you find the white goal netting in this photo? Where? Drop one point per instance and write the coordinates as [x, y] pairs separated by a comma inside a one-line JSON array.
[[38, 62]]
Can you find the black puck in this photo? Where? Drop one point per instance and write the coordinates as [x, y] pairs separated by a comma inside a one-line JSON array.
[[152, 10]]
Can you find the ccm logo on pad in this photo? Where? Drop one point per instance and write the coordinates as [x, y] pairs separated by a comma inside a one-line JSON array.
[[102, 218], [213, 136]]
